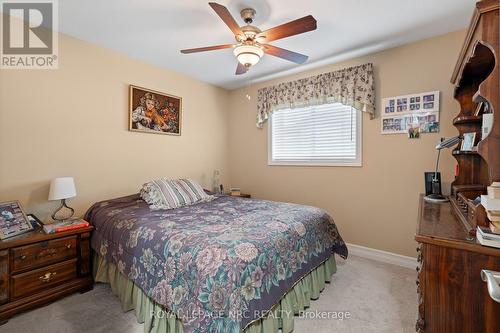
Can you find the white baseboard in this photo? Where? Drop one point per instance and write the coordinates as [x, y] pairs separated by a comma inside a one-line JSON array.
[[383, 256]]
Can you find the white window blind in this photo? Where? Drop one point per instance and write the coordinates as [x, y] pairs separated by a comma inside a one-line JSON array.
[[328, 134]]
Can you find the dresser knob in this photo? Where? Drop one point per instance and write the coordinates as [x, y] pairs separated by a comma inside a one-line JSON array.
[[68, 246], [23, 257], [47, 277]]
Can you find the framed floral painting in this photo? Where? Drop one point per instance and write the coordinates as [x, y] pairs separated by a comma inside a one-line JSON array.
[[154, 112]]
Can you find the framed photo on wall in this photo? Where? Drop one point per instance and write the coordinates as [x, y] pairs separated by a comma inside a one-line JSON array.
[[13, 221], [154, 112], [400, 114]]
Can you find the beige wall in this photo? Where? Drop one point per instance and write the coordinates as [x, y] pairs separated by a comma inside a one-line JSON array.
[[74, 122], [374, 205]]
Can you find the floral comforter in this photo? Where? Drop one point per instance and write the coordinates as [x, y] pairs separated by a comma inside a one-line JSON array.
[[217, 265]]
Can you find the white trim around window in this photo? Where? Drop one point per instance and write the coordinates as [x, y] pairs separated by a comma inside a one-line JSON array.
[[321, 135]]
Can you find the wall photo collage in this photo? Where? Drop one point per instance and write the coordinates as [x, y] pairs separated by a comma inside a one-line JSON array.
[[411, 114]]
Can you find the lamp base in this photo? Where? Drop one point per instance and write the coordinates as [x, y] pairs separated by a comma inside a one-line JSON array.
[[436, 198], [63, 205]]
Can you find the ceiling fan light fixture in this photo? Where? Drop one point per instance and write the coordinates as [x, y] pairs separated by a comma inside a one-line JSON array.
[[248, 55], [252, 42]]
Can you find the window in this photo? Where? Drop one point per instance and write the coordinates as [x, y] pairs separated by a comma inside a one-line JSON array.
[[328, 134]]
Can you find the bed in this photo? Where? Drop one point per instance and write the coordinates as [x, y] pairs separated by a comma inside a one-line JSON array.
[[227, 265]]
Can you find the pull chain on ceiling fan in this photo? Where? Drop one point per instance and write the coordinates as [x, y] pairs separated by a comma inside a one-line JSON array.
[[252, 42]]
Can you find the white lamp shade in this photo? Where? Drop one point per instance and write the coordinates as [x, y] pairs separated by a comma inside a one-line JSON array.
[[62, 188]]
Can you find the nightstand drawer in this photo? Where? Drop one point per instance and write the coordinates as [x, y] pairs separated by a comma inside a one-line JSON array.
[[43, 253], [35, 281]]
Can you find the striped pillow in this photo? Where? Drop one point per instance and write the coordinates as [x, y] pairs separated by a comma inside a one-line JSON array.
[[173, 193]]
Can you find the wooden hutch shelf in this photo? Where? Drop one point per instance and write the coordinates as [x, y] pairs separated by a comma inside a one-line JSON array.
[[476, 78], [452, 297], [464, 152], [467, 119]]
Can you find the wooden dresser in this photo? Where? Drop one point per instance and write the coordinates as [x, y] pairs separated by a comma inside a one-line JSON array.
[[36, 268], [452, 295]]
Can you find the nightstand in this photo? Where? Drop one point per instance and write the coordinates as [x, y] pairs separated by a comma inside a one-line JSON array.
[[241, 195], [36, 268]]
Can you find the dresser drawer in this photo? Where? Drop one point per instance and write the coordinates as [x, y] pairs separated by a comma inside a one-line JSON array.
[[43, 278], [43, 253]]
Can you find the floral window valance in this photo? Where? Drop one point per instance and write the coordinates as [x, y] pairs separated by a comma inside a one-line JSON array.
[[353, 86]]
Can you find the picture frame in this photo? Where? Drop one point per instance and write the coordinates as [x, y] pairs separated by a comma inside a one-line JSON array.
[[414, 132], [468, 141], [429, 105], [428, 98], [35, 221], [152, 111], [401, 113], [13, 220]]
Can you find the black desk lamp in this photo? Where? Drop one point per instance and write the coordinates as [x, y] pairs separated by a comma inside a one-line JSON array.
[[436, 195]]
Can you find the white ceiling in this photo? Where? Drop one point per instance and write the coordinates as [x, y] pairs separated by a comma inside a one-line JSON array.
[[155, 30]]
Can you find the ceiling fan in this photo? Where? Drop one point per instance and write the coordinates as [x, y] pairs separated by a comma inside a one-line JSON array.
[[252, 42]]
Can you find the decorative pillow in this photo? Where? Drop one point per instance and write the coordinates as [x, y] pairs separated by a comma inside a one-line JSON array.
[[173, 193]]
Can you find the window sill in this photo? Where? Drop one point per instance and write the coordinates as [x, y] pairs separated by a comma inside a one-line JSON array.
[[316, 164]]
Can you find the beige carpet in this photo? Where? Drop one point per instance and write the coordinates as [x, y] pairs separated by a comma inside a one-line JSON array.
[[379, 297]]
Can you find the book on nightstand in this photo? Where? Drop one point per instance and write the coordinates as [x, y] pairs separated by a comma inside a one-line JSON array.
[[64, 226]]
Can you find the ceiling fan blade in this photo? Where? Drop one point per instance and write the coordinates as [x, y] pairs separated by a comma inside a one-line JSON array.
[[226, 16], [241, 69], [285, 54], [208, 48], [301, 25]]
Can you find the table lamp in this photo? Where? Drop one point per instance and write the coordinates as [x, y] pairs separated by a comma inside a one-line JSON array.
[[62, 189], [436, 195]]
